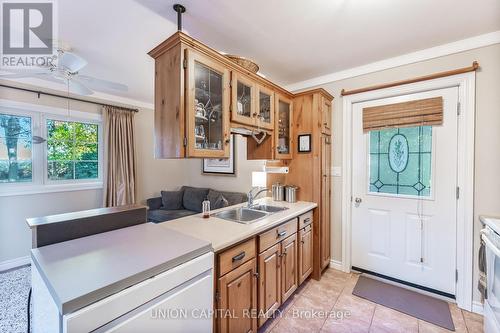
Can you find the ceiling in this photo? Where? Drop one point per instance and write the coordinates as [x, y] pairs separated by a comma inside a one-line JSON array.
[[291, 40]]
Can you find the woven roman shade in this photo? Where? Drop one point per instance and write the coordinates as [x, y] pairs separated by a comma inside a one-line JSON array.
[[422, 112]]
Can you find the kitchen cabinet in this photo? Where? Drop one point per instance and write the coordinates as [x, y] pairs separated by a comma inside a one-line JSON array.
[[288, 267], [326, 116], [325, 200], [207, 99], [243, 108], [269, 281], [310, 171], [283, 129], [265, 107], [195, 105], [238, 295], [277, 267], [305, 243]]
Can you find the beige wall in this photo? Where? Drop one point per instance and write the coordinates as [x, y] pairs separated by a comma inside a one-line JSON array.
[[487, 154], [152, 176]]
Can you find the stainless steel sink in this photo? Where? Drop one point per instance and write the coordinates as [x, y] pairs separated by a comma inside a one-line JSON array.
[[269, 209], [241, 215]]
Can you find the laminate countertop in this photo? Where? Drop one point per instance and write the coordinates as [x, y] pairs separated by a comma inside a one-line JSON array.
[[82, 271], [222, 233]]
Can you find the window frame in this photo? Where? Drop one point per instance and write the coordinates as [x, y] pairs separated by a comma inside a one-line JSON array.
[[40, 181]]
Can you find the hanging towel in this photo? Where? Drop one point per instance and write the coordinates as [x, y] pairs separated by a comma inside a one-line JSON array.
[[481, 285]]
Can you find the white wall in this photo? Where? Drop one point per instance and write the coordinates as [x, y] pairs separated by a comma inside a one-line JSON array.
[[242, 182]]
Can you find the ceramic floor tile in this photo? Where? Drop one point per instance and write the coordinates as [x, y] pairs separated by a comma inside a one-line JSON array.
[[269, 325], [425, 327], [359, 308], [390, 321], [345, 325], [473, 321], [458, 319], [305, 315], [350, 284], [322, 293]]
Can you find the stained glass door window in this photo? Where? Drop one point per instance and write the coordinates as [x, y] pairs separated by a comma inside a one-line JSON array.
[[401, 161]]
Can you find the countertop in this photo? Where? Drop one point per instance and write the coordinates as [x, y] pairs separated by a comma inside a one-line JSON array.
[[492, 222], [82, 271], [222, 233]]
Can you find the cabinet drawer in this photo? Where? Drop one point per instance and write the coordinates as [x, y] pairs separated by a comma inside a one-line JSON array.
[[277, 234], [305, 219], [235, 256]]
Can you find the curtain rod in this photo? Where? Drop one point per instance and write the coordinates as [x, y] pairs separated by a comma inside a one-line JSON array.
[[39, 92], [475, 66]]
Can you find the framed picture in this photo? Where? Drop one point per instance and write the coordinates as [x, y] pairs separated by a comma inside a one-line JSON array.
[[221, 166], [304, 143]]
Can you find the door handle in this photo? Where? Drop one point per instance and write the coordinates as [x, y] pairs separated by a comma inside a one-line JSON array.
[[357, 201], [281, 234]]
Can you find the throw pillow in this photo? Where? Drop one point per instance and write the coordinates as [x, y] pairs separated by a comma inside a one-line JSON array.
[[193, 197], [171, 200], [221, 202]]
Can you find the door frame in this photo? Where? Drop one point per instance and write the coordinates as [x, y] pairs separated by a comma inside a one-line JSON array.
[[465, 171]]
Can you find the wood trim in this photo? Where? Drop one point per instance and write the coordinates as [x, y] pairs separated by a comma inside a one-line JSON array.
[[321, 91], [472, 68]]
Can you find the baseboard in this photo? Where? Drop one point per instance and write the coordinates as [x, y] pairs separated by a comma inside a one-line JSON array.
[[335, 264], [477, 307], [14, 263]]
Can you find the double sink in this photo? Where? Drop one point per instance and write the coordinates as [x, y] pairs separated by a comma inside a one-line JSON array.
[[248, 215]]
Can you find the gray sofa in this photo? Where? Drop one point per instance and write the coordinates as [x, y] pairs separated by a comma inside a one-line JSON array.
[[187, 201]]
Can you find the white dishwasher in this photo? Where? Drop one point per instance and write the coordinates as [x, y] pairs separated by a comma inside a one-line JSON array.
[[178, 300]]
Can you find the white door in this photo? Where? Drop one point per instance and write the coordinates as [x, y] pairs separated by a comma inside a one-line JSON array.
[[404, 197]]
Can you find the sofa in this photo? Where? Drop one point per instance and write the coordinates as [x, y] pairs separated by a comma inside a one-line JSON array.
[[187, 201]]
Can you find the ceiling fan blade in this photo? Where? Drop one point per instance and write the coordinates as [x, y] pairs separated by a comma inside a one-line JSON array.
[[79, 88], [99, 84], [71, 62]]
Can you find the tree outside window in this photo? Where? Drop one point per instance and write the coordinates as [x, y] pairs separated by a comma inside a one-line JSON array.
[[15, 149]]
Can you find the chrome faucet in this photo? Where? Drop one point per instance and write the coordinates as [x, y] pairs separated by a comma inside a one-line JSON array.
[[252, 196]]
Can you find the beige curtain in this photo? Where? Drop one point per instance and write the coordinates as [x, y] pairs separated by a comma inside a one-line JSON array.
[[119, 152]]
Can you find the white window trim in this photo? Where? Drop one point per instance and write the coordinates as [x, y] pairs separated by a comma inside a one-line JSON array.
[[40, 182]]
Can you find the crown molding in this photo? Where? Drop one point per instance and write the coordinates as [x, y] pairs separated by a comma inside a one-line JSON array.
[[406, 59]]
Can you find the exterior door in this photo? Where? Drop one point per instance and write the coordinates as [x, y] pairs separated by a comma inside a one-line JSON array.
[[405, 196]]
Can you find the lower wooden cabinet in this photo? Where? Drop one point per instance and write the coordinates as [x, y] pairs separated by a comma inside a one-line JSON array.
[[288, 267], [269, 281], [238, 297], [305, 253]]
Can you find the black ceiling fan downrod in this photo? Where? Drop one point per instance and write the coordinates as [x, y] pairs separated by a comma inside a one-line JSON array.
[[179, 9]]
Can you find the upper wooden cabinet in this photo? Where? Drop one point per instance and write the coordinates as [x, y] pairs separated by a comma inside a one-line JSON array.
[[283, 128], [243, 108], [326, 115], [207, 104], [195, 105]]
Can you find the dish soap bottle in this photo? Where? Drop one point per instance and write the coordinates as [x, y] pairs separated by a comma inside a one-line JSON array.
[[205, 208]]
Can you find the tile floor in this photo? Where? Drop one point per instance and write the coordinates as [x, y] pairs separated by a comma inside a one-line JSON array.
[[334, 292]]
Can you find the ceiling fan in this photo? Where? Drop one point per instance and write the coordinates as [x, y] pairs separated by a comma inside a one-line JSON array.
[[65, 70]]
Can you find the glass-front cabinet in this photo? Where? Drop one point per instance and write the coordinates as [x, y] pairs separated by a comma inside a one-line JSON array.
[[283, 128], [243, 109], [265, 107], [207, 104]]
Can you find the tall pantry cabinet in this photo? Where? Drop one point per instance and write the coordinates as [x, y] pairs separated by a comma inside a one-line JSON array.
[[310, 171]]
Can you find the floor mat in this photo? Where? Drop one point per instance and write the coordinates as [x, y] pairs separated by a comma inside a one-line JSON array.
[[430, 309]]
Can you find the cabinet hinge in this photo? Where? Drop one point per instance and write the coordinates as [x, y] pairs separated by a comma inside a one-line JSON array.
[[456, 275], [185, 63], [458, 192], [230, 83], [459, 108], [217, 296], [185, 142]]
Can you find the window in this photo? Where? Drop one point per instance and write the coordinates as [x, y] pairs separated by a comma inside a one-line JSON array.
[[400, 161], [49, 151], [15, 149], [72, 150]]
